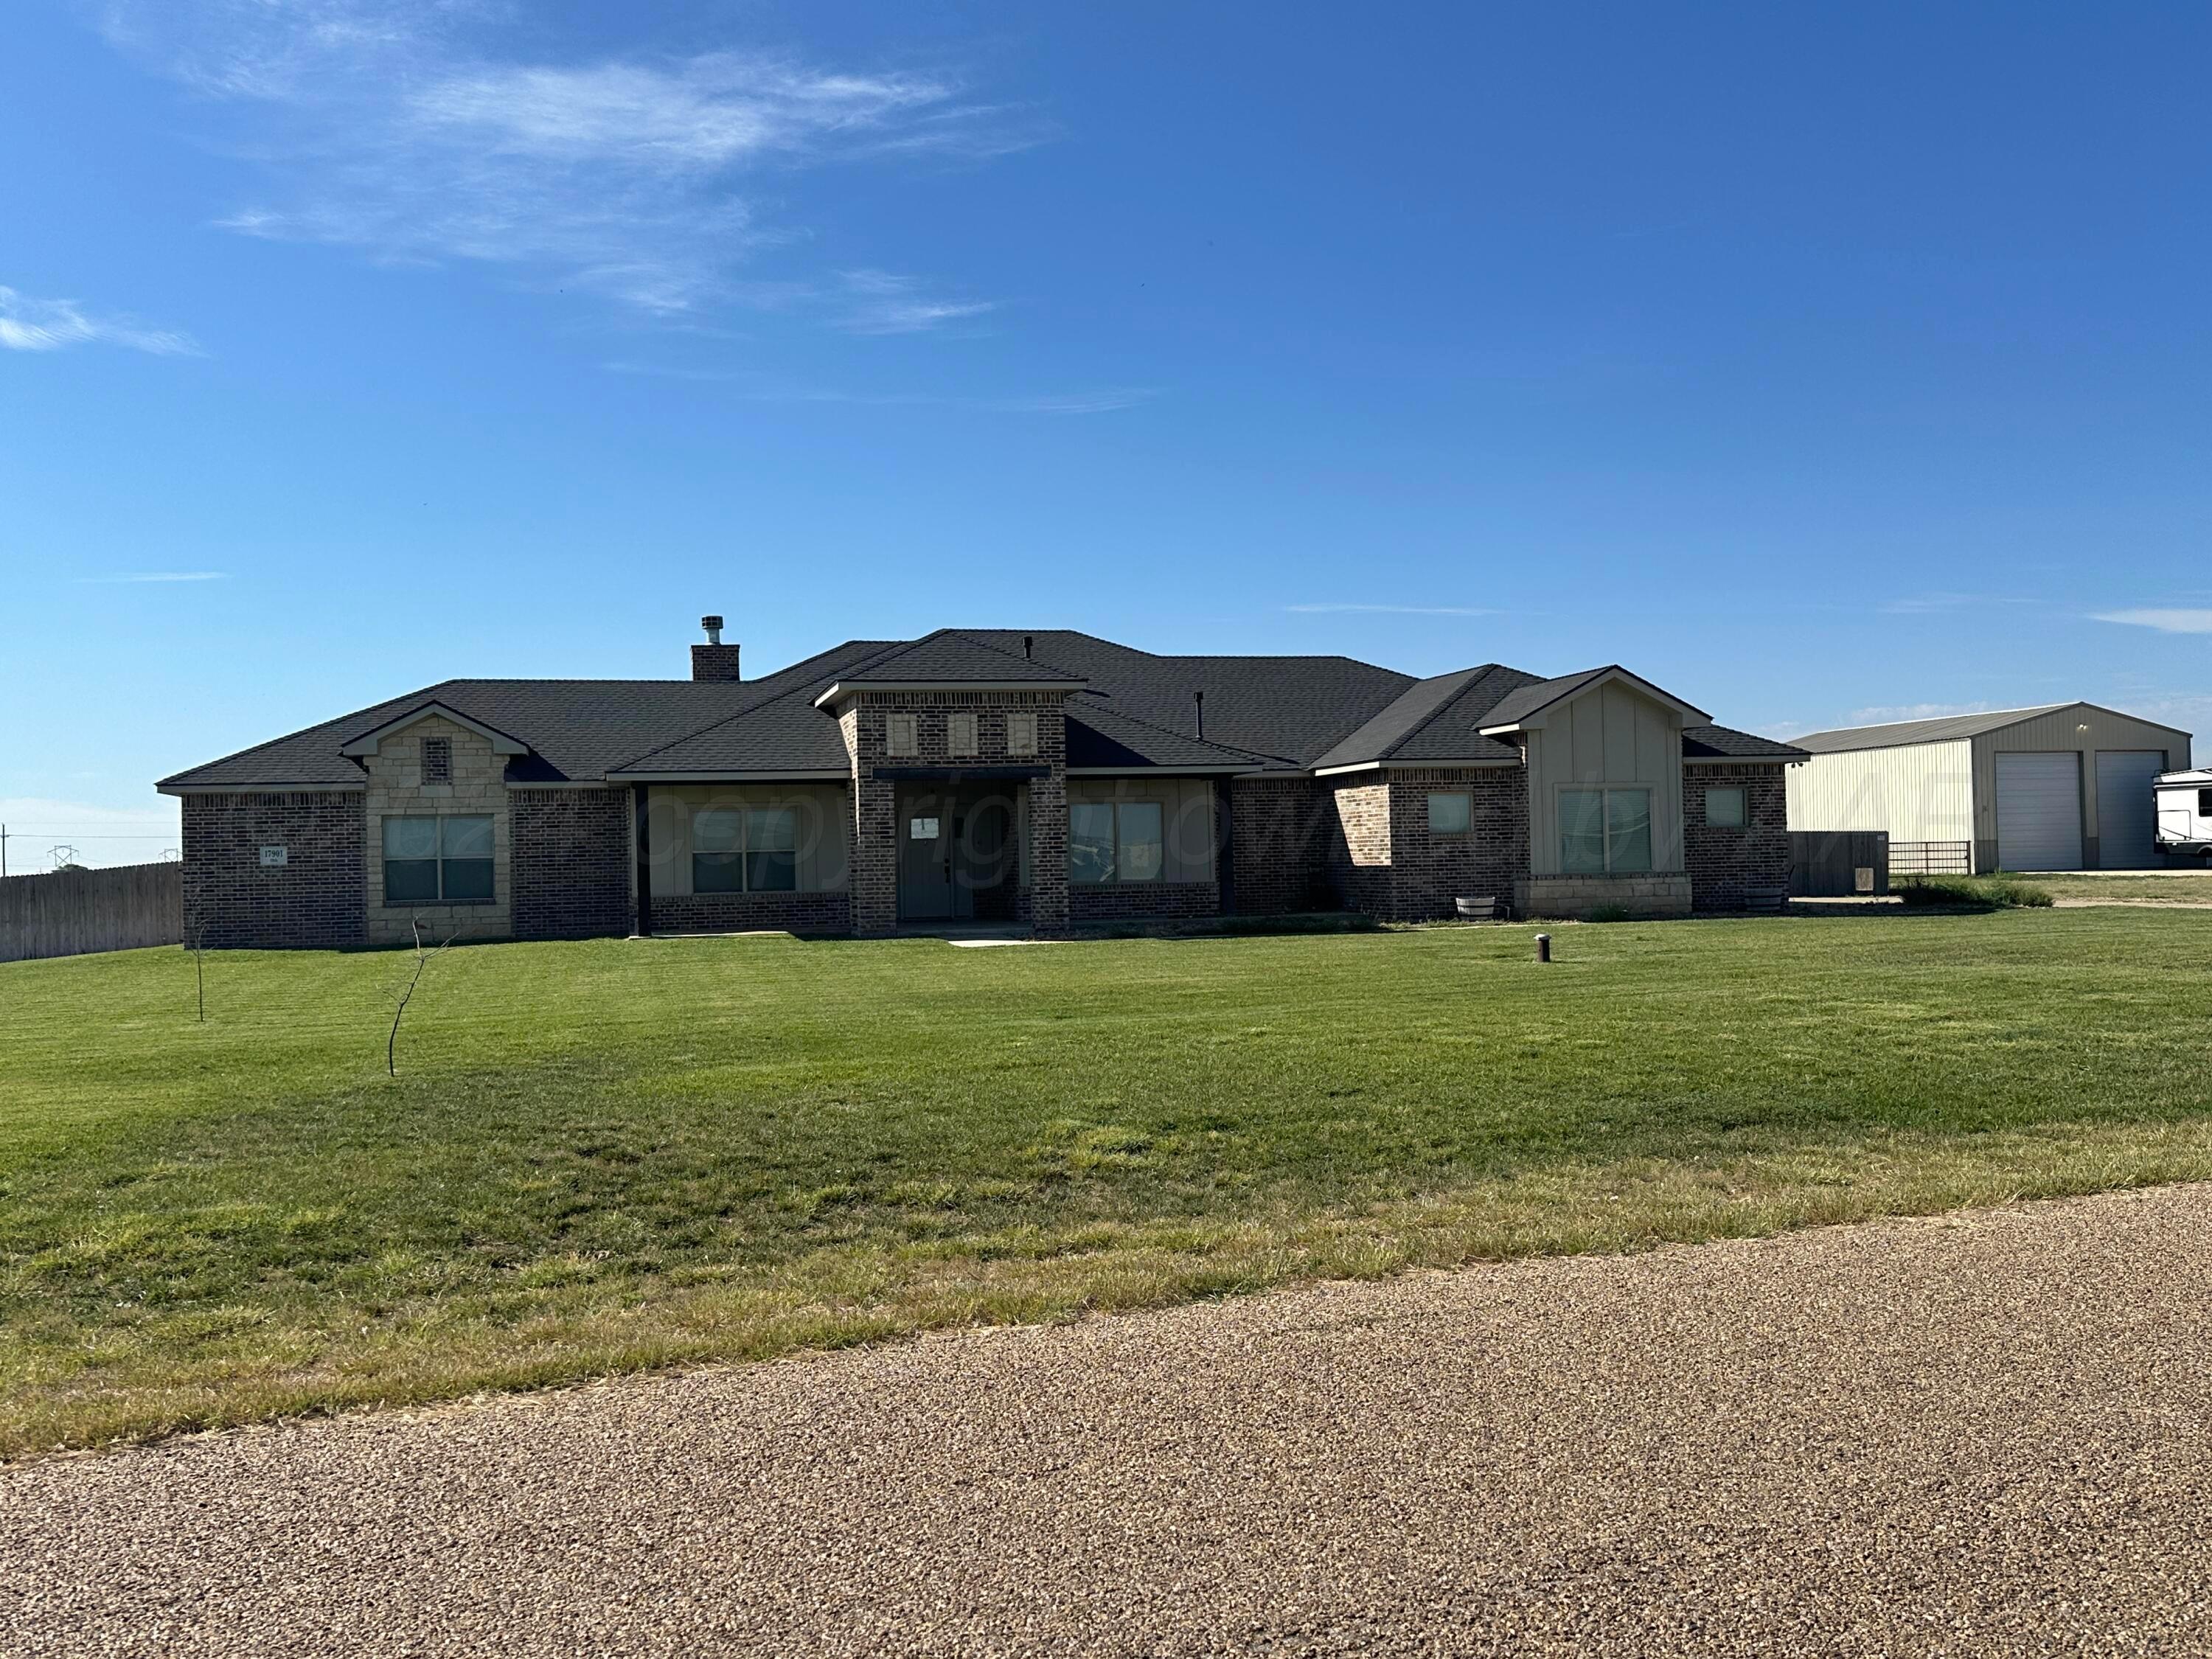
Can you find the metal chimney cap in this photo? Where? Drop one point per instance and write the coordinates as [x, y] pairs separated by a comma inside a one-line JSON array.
[[714, 627]]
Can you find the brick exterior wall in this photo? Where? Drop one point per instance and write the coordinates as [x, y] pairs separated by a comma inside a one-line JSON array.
[[1280, 830], [313, 902], [571, 866], [1429, 873], [874, 878], [1137, 900], [742, 913], [1723, 862], [1359, 851], [715, 662]]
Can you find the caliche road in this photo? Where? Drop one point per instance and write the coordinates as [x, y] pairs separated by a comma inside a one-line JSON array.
[[1981, 1433]]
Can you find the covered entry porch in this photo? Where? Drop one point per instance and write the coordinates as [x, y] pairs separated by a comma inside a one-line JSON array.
[[962, 850]]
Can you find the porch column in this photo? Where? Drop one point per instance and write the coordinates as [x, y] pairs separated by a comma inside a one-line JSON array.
[[873, 870], [1048, 849]]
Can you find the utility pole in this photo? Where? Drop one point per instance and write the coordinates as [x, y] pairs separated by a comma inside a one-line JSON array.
[[4, 852]]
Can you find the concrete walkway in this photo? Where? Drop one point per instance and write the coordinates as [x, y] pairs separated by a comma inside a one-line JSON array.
[[1981, 1433]]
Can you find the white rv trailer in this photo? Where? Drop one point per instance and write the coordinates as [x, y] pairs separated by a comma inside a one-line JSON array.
[[2185, 812]]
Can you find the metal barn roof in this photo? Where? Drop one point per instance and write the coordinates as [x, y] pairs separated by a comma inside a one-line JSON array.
[[1947, 728]]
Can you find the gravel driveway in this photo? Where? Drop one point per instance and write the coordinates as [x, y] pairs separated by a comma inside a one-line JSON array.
[[1981, 1433]]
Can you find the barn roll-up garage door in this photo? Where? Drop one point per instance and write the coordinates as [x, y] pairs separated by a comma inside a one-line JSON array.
[[2127, 814], [2040, 811]]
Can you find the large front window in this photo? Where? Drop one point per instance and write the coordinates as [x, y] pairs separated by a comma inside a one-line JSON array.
[[1115, 842], [444, 860], [1604, 831], [748, 850]]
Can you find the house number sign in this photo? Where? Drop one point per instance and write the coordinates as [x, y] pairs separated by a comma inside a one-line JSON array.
[[274, 858]]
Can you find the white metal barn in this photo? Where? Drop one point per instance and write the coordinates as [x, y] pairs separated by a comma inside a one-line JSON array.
[[2066, 787]]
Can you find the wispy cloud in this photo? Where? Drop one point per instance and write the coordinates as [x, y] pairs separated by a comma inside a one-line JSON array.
[[404, 133], [1396, 610], [882, 303], [162, 576], [30, 325], [1101, 401], [2165, 622], [1917, 604]]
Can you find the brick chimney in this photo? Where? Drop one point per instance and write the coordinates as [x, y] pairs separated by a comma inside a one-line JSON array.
[[713, 660]]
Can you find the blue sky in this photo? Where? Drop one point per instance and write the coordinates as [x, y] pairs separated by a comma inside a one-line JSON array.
[[1821, 364]]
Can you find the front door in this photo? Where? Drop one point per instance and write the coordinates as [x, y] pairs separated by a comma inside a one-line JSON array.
[[958, 850], [925, 834], [984, 860]]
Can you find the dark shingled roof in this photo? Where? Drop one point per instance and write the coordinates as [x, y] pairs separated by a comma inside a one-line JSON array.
[[1526, 700], [949, 656], [1436, 719], [1533, 699], [1721, 743], [1098, 735], [577, 730], [1126, 708], [1288, 709]]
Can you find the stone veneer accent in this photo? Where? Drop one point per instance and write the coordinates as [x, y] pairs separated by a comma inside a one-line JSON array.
[[873, 882], [1280, 834], [1133, 901], [1724, 862], [573, 870], [827, 912], [313, 902], [1642, 894], [396, 787]]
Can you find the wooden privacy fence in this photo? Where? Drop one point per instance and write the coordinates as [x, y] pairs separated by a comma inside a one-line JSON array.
[[71, 912]]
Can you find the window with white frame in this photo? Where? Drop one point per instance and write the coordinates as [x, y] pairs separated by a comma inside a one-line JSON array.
[[901, 736], [1115, 842], [1020, 731], [751, 849], [1451, 811], [1725, 807], [960, 733], [437, 760], [1605, 831], [441, 860]]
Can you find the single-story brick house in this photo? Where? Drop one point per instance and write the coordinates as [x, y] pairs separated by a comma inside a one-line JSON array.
[[1047, 778]]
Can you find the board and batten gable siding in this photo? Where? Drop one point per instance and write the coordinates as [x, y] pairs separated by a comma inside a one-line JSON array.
[[1917, 791], [1186, 824], [2062, 729], [823, 822], [1611, 734]]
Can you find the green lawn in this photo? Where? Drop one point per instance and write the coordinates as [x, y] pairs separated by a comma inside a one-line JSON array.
[[622, 1154], [2177, 887]]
